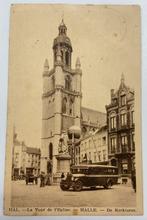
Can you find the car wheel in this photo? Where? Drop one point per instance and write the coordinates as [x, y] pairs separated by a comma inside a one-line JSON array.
[[64, 186], [78, 185]]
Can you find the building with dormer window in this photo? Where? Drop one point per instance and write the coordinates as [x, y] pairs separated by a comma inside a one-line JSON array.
[[121, 129]]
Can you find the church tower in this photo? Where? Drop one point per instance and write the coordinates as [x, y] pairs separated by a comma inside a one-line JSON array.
[[61, 99]]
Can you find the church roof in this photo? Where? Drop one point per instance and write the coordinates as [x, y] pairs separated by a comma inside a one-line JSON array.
[[93, 116]]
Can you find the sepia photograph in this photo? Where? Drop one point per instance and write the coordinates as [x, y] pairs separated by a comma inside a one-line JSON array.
[[74, 111]]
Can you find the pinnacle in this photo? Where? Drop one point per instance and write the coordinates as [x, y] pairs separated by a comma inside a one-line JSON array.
[[46, 64], [78, 64]]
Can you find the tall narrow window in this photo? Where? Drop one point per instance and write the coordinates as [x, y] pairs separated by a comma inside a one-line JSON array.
[[123, 119], [124, 142], [71, 107], [123, 100], [113, 122], [113, 144], [67, 58], [64, 105], [67, 83]]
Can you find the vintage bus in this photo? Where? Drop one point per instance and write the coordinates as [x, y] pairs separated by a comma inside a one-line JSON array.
[[90, 176]]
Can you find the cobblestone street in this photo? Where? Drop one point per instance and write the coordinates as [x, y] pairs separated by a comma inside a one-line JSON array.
[[52, 196]]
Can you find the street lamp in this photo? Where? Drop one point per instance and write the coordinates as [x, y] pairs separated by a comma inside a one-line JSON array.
[[74, 132]]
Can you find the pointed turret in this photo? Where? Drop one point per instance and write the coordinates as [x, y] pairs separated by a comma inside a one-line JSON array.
[[122, 83], [78, 64], [46, 65], [122, 78]]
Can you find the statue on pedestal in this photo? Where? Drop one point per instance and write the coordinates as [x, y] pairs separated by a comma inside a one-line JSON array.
[[63, 145]]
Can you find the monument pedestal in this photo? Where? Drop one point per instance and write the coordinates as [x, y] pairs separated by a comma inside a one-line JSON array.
[[63, 166]]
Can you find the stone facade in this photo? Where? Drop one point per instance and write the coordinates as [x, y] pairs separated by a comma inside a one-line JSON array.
[[121, 129], [61, 100], [61, 103], [93, 148], [25, 159]]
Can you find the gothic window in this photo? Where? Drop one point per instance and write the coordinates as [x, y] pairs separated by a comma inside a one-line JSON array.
[[64, 105], [67, 83], [71, 107], [67, 58]]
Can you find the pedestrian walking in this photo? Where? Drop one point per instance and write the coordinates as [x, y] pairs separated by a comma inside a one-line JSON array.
[[42, 179]]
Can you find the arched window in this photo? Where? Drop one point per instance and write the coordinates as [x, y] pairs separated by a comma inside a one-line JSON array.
[[67, 58], [64, 105], [67, 83], [71, 107]]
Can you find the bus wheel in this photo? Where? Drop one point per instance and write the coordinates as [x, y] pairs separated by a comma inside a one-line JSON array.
[[108, 184], [78, 185]]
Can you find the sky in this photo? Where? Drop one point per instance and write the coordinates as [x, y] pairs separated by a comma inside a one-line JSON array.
[[105, 38]]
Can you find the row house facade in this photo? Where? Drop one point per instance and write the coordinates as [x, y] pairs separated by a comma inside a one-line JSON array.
[[93, 148], [25, 159], [121, 129]]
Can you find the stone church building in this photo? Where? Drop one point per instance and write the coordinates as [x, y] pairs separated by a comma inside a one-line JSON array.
[[61, 101]]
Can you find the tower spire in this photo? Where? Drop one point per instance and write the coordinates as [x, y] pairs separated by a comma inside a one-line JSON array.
[[122, 78], [62, 28]]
